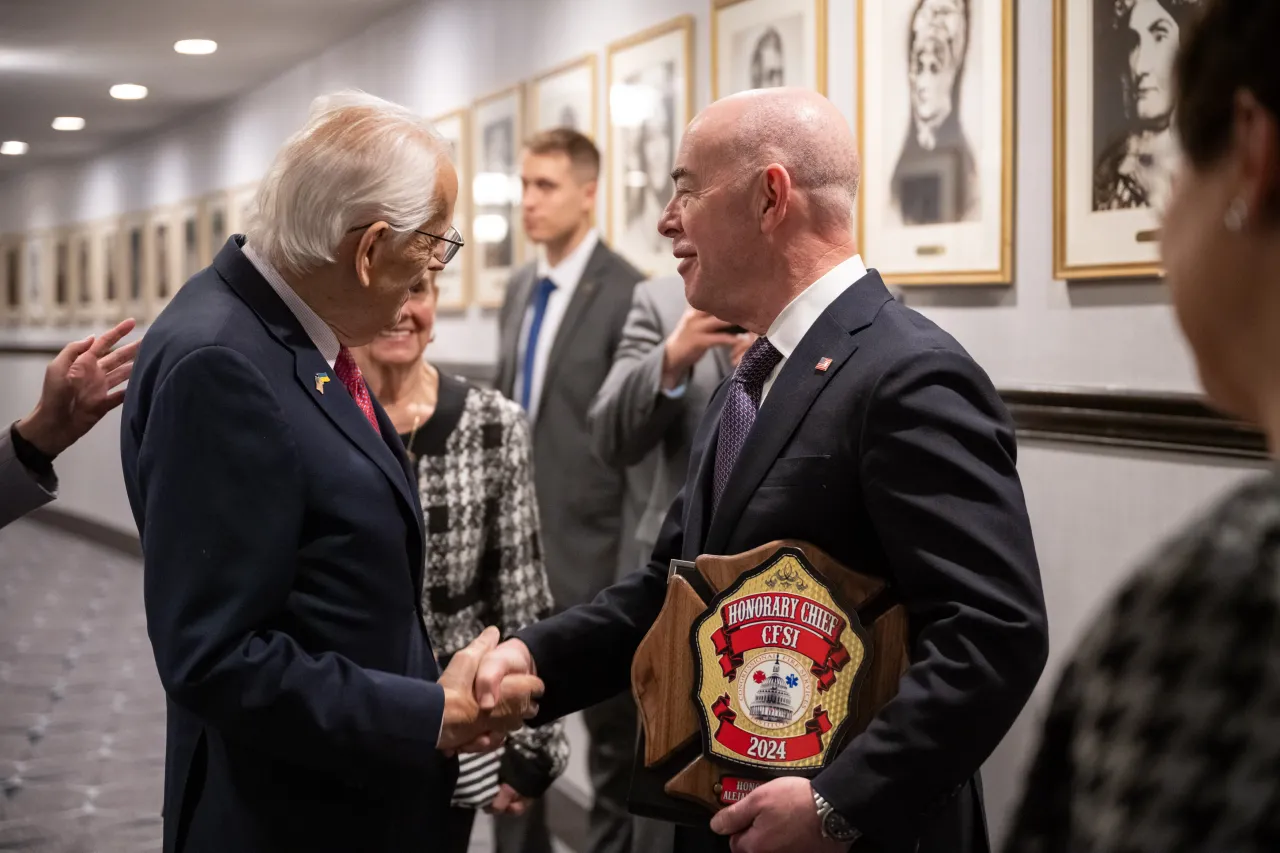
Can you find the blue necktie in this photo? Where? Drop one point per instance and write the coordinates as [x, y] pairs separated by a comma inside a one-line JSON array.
[[545, 286], [739, 413]]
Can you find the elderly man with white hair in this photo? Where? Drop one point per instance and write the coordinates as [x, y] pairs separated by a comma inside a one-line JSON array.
[[281, 531]]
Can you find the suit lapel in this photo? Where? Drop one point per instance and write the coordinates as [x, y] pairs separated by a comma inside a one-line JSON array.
[[793, 393], [309, 366], [583, 295], [523, 292]]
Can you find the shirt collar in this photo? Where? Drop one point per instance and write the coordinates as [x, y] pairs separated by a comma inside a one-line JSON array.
[[790, 326], [321, 335], [568, 272]]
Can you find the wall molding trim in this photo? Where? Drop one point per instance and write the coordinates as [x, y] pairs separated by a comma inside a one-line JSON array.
[[1172, 422]]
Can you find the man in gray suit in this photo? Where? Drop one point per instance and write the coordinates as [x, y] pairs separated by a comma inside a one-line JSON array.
[[671, 360], [559, 327], [79, 388]]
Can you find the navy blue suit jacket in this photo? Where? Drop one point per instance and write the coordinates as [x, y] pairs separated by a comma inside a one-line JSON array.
[[899, 461], [283, 552]]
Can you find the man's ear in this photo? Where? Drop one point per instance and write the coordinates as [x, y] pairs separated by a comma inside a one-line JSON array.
[[372, 241], [775, 197]]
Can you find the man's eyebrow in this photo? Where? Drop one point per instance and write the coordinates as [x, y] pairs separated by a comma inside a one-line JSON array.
[[680, 172]]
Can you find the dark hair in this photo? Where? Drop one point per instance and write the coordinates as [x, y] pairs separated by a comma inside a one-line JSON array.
[[1183, 12], [581, 151], [1231, 47]]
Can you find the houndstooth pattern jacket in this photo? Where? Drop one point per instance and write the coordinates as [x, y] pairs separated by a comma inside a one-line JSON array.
[[1164, 733], [473, 460]]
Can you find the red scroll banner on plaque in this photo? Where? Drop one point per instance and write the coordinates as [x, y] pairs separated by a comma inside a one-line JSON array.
[[782, 620], [795, 748]]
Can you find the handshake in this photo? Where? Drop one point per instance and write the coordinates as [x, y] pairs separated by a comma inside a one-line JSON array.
[[489, 692]]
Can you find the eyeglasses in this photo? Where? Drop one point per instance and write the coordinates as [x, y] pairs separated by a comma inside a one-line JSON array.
[[451, 238]]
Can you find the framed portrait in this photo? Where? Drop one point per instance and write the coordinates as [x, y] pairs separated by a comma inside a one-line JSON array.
[[216, 224], [109, 270], [241, 207], [83, 308], [1114, 152], [566, 96], [11, 279], [760, 44], [454, 281], [164, 256], [495, 193], [35, 277], [188, 222], [650, 102], [135, 295], [61, 273], [936, 129]]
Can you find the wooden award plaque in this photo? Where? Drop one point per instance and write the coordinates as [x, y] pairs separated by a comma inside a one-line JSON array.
[[759, 665]]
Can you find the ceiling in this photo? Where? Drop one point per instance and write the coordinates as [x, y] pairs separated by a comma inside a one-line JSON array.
[[59, 58]]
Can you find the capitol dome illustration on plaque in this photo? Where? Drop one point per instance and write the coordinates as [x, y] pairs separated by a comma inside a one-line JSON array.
[[774, 693]]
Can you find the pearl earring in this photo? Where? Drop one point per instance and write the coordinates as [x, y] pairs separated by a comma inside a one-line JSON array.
[[1236, 216]]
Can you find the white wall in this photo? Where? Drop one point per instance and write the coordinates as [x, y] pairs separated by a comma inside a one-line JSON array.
[[1093, 512]]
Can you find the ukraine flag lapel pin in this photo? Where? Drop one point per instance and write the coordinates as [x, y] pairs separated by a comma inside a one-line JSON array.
[[321, 379]]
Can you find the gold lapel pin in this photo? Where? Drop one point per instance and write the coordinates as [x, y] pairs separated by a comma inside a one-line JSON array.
[[321, 379]]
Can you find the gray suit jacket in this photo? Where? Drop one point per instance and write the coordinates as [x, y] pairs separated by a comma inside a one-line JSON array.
[[633, 422], [580, 497], [20, 490]]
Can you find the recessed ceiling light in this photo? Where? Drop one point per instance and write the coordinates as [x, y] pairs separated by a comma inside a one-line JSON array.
[[68, 123], [128, 91], [13, 148], [195, 47]]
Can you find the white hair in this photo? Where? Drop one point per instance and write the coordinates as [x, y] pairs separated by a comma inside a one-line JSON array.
[[358, 160]]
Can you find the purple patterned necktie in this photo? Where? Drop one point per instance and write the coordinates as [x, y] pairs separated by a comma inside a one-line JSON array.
[[740, 407]]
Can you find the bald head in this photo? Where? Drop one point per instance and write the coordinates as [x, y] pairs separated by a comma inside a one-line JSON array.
[[799, 130]]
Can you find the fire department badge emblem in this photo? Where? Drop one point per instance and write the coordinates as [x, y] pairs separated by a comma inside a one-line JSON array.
[[778, 661], [759, 665]]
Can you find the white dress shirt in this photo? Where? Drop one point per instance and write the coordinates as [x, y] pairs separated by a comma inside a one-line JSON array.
[[319, 332], [566, 275], [790, 327]]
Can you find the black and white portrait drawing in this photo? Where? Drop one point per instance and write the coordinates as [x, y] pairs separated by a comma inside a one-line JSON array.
[[61, 274], [13, 277], [190, 245], [499, 138], [84, 287], [452, 282], [649, 148], [135, 264], [936, 130], [762, 44], [650, 99], [936, 177], [566, 97], [163, 284], [1135, 154]]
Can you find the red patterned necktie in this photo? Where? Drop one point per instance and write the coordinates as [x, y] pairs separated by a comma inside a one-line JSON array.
[[349, 375]]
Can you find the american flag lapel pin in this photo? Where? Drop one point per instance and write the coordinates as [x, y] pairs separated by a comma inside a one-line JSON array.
[[321, 379], [822, 365]]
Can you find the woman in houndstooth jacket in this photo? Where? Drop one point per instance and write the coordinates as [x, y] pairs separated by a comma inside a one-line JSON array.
[[471, 453], [1162, 736]]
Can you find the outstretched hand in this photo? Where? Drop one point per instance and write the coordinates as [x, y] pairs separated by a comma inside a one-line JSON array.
[[777, 817], [80, 386], [471, 725]]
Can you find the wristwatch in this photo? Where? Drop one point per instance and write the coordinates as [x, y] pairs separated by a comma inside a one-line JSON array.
[[834, 826]]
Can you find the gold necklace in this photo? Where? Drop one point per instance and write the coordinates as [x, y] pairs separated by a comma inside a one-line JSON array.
[[417, 420]]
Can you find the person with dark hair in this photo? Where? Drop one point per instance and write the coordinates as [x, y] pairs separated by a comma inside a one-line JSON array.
[[936, 179], [1161, 736], [1137, 169], [767, 68], [558, 329]]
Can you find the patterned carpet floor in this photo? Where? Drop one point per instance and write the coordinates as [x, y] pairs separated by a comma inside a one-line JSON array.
[[81, 708]]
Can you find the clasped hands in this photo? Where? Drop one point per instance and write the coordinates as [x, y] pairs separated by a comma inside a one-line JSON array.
[[479, 714]]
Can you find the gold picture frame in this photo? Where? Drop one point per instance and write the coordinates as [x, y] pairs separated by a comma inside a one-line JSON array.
[[1086, 238], [562, 86], [495, 193], [927, 240], [653, 97], [786, 35], [455, 281]]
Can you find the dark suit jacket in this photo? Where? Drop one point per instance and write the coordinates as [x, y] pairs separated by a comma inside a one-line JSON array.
[[898, 460], [580, 497], [283, 565]]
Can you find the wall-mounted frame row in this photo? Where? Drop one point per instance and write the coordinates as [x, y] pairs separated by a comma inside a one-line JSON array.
[[935, 122]]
